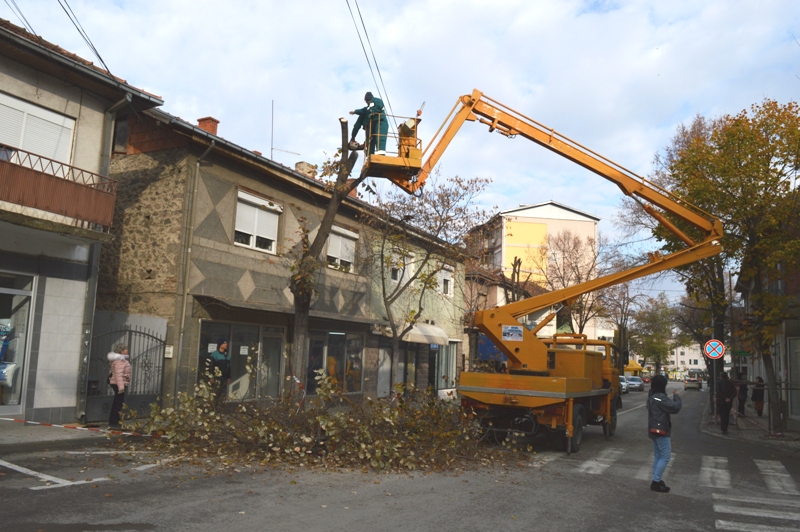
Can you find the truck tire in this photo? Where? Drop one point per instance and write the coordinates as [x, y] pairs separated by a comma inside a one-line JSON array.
[[578, 417], [610, 427]]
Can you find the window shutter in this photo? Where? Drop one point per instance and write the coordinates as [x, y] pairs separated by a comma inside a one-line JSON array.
[[347, 249], [10, 125], [267, 224], [334, 246], [47, 139], [245, 218]]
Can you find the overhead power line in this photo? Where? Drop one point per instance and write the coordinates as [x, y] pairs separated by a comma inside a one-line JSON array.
[[369, 63]]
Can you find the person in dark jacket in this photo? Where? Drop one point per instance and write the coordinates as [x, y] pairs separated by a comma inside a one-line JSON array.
[[373, 119], [758, 396], [742, 393], [220, 360], [726, 393], [659, 424]]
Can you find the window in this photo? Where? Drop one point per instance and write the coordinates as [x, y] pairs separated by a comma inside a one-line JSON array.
[[445, 278], [35, 129], [341, 248], [402, 267], [256, 222], [342, 357]]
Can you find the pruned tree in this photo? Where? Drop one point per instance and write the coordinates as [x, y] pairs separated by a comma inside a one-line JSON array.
[[417, 241], [307, 253]]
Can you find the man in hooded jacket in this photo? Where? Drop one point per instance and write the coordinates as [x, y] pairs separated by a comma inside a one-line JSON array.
[[373, 119], [659, 424]]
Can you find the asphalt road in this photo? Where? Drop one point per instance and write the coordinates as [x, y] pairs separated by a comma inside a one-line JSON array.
[[717, 484]]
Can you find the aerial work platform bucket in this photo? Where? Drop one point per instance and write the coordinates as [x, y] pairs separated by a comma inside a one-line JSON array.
[[401, 166]]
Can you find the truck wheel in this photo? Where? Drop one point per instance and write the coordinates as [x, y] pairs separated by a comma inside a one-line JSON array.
[[577, 428], [610, 427]]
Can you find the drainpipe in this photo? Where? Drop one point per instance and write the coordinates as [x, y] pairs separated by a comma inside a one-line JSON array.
[[186, 262], [108, 133]]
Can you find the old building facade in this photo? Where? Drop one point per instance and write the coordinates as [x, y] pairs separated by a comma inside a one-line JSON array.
[[205, 233], [56, 206]]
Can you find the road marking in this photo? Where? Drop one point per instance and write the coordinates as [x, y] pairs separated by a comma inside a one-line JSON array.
[[110, 452], [151, 466], [776, 477], [58, 482], [646, 472], [755, 500], [714, 472], [631, 409], [542, 460], [769, 514], [603, 461], [70, 483], [750, 527]]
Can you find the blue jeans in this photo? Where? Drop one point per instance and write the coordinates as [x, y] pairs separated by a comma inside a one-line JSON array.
[[662, 448]]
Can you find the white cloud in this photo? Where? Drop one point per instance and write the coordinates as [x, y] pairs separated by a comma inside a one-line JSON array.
[[618, 77]]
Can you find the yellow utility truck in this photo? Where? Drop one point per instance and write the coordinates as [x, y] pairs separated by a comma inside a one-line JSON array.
[[568, 381]]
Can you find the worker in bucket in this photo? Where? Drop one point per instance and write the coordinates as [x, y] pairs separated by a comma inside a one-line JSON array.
[[373, 119]]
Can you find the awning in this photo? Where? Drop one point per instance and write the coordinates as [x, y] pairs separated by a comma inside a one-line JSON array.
[[633, 366], [423, 333]]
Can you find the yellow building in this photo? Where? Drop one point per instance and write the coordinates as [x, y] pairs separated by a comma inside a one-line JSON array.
[[522, 233]]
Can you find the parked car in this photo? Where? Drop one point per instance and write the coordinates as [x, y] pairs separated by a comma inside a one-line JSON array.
[[693, 380], [623, 384], [646, 379], [635, 383]]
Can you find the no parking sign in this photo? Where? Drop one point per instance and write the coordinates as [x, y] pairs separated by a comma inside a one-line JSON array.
[[714, 349]]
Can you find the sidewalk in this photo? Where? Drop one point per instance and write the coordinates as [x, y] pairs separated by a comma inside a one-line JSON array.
[[16, 435], [749, 427]]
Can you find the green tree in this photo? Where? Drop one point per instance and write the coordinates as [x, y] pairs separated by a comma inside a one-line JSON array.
[[744, 168], [654, 328]]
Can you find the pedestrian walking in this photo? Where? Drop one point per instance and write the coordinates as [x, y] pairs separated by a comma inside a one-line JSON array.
[[726, 393], [659, 425], [758, 396], [120, 380], [741, 393]]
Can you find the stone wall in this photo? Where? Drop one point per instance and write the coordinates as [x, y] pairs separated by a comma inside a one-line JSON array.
[[139, 270]]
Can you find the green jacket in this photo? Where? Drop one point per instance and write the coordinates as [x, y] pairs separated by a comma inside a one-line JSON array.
[[375, 113]]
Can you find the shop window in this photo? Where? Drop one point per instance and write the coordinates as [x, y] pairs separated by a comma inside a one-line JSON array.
[[341, 355], [256, 222], [341, 249], [35, 129], [446, 372]]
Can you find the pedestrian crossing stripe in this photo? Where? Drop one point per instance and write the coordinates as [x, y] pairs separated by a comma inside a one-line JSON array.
[[761, 509], [776, 477], [721, 524], [714, 471]]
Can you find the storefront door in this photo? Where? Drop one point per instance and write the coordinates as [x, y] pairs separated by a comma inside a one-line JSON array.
[[270, 368], [15, 309]]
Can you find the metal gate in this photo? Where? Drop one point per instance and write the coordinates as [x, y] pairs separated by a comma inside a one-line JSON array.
[[146, 351]]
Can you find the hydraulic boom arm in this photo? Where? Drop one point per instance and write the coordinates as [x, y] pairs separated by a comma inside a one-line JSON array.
[[521, 346]]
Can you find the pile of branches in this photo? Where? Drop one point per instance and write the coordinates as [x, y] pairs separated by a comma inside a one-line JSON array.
[[413, 430]]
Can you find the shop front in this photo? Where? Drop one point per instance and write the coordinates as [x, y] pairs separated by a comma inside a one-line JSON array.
[[16, 292]]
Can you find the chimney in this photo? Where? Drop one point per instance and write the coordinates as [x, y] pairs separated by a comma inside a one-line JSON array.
[[307, 169], [209, 124], [257, 153]]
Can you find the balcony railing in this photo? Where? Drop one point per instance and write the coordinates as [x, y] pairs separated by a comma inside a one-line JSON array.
[[84, 199]]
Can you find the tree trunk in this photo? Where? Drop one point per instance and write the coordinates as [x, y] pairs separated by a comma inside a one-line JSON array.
[[303, 282], [776, 421]]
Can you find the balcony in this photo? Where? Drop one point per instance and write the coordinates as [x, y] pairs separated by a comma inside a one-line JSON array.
[[54, 191]]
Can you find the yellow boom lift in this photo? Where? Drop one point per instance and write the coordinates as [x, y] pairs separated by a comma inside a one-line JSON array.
[[568, 381]]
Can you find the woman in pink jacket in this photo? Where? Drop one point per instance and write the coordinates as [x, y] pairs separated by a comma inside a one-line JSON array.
[[120, 380]]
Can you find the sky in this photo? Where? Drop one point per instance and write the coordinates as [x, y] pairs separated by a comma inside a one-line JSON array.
[[618, 77]]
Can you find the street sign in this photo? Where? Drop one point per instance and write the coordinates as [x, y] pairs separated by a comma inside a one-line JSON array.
[[714, 349]]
